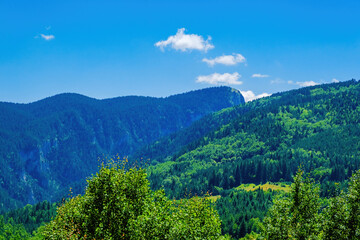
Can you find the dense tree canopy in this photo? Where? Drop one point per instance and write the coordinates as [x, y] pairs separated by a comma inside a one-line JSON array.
[[266, 141], [261, 143], [32, 216], [119, 204], [300, 215], [53, 144], [269, 141], [12, 231]]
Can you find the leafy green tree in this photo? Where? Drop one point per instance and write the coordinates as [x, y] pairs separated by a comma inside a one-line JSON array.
[[341, 218], [12, 231], [118, 204], [354, 206], [335, 219], [299, 217], [32, 216], [295, 216]]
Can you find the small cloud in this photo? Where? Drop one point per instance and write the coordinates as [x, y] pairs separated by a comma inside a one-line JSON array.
[[47, 37], [258, 75], [186, 42], [216, 78], [307, 84], [277, 81], [290, 82], [48, 27], [226, 60], [250, 95], [303, 84], [334, 80]]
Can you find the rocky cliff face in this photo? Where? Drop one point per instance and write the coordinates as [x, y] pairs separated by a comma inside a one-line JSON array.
[[55, 143]]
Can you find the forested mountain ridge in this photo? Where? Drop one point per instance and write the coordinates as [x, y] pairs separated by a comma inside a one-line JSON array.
[[176, 143], [48, 145], [267, 140], [315, 127]]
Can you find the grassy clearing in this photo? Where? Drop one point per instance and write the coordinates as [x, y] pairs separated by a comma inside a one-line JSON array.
[[267, 186], [214, 198]]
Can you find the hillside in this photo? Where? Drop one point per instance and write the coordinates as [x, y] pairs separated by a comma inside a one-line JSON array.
[[52, 144], [247, 155], [168, 147], [316, 128]]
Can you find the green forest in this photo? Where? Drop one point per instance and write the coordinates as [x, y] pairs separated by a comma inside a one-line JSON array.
[[316, 128], [280, 167], [53, 144], [119, 204]]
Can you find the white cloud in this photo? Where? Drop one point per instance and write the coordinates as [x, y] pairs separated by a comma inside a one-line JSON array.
[[47, 37], [277, 81], [216, 78], [290, 82], [185, 42], [302, 84], [250, 95], [334, 80], [307, 83], [226, 60], [258, 75]]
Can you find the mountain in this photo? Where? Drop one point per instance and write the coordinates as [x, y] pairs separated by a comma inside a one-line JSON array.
[[235, 152], [263, 144], [52, 144], [317, 128], [176, 143]]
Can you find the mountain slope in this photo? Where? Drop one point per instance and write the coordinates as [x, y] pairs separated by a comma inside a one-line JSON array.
[[170, 146], [48, 145], [316, 128]]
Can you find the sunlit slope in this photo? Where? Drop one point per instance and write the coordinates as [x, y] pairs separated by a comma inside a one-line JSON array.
[[316, 128]]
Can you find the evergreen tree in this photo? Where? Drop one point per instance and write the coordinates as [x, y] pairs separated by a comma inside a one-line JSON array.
[[296, 216]]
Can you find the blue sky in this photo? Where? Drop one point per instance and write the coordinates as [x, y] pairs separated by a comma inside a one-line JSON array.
[[110, 48]]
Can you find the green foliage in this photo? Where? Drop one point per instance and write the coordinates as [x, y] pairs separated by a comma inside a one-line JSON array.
[[269, 140], [295, 217], [22, 222], [181, 141], [250, 236], [264, 140], [241, 210], [32, 216], [53, 144], [12, 231], [119, 204], [353, 201], [335, 219], [299, 216]]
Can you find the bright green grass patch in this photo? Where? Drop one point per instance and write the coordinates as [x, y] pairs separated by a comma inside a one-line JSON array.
[[214, 198], [265, 187]]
